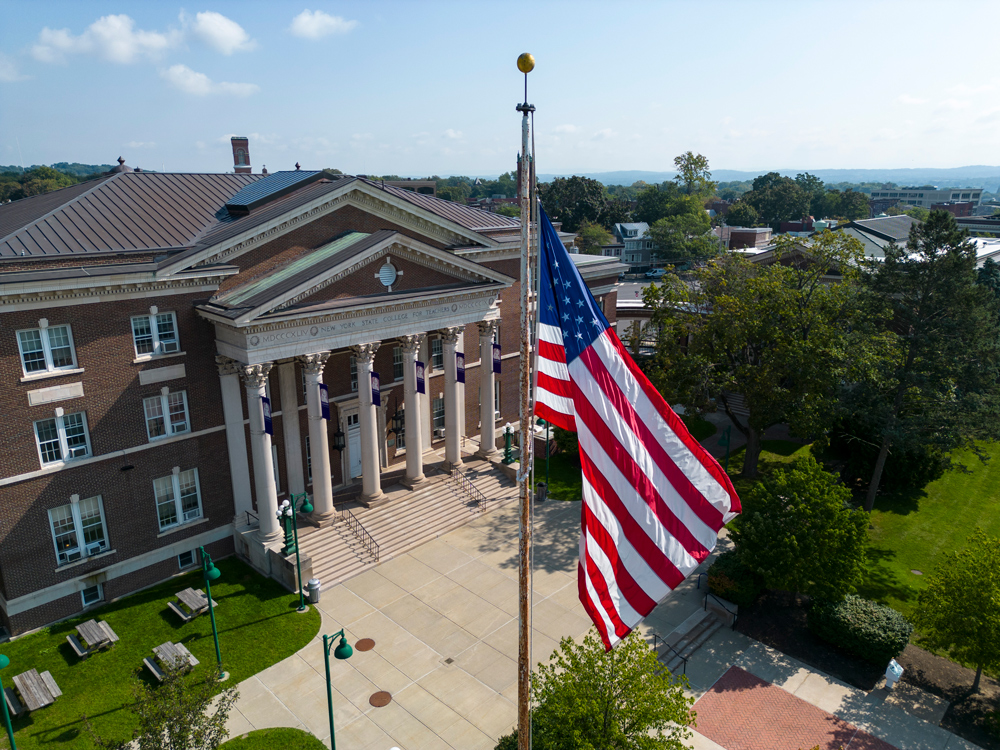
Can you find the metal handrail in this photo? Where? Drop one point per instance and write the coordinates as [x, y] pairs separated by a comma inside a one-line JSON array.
[[723, 605], [251, 514], [676, 652], [361, 533], [465, 484]]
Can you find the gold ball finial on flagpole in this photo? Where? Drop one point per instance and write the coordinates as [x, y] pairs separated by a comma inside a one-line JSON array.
[[526, 62]]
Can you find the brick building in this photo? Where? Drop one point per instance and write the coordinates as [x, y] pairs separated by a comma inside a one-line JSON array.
[[145, 318]]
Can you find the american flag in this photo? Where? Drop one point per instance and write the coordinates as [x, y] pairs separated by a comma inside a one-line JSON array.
[[654, 500]]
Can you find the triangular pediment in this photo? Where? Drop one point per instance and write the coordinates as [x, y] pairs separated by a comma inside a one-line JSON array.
[[381, 266]]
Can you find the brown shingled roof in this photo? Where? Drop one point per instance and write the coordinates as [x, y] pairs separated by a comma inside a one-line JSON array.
[[466, 216]]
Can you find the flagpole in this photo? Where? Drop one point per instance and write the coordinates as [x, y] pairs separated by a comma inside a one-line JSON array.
[[525, 63]]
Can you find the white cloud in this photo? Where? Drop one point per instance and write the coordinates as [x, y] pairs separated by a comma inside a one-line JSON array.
[[140, 144], [907, 99], [315, 24], [220, 33], [182, 78], [604, 134], [112, 38], [453, 134], [9, 71], [565, 128]]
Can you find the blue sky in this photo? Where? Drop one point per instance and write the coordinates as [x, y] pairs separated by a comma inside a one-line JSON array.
[[416, 88]]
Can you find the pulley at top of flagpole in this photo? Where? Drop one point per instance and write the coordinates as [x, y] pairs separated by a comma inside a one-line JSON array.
[[526, 64]]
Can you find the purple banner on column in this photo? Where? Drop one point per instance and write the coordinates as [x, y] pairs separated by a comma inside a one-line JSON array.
[[460, 367], [420, 377], [496, 359], [376, 390], [324, 401], [265, 404]]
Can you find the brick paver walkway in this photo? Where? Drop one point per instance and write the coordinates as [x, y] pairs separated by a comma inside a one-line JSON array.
[[744, 712]]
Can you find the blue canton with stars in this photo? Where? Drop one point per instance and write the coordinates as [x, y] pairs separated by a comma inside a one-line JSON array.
[[566, 301]]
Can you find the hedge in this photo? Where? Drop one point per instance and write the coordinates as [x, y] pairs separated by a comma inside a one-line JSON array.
[[731, 580], [868, 630]]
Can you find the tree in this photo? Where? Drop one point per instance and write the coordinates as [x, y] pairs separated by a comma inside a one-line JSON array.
[[777, 199], [693, 174], [813, 187], [591, 237], [918, 213], [509, 209], [574, 200], [937, 385], [959, 610], [853, 205], [778, 334], [590, 699], [742, 214], [684, 237], [181, 713], [654, 203], [799, 532]]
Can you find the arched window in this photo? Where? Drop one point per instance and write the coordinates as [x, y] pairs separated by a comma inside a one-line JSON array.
[[241, 157]]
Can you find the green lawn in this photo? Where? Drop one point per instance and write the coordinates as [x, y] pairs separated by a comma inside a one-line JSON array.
[[700, 429], [258, 626], [274, 739], [913, 531], [774, 454], [565, 481]]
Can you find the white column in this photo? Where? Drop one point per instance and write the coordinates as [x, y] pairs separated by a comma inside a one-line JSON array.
[[452, 407], [411, 410], [294, 465], [487, 427], [255, 380], [236, 442], [319, 444], [371, 488]]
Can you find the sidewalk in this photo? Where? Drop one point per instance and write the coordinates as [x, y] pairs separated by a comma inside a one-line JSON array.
[[444, 621]]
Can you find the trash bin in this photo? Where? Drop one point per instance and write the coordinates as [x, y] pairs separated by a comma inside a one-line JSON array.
[[892, 674], [312, 591], [541, 492]]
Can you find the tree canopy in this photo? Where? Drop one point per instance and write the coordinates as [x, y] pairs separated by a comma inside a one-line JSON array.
[[742, 214], [777, 199], [693, 174], [574, 200], [590, 238], [684, 236]]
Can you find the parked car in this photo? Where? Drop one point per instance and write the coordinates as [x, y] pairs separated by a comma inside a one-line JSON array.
[[655, 273]]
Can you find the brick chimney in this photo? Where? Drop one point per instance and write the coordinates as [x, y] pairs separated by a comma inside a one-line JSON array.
[[241, 154]]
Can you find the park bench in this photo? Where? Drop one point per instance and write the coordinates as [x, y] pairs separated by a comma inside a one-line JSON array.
[[34, 691], [185, 617]]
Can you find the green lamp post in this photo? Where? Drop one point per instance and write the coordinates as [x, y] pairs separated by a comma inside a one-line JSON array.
[[4, 663], [343, 651], [288, 512], [211, 573], [508, 457]]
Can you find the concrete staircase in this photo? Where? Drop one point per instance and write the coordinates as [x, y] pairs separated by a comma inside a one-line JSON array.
[[409, 518], [685, 639]]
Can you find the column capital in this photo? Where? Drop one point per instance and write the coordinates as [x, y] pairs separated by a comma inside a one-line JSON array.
[[487, 328], [314, 363], [365, 353], [226, 365], [411, 342], [255, 376], [450, 335]]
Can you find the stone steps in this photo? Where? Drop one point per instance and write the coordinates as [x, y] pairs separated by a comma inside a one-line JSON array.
[[408, 519], [686, 639]]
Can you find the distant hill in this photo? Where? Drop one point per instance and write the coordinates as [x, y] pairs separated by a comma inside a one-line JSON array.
[[76, 169], [973, 176]]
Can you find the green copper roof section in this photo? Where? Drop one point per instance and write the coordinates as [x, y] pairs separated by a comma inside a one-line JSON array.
[[276, 278]]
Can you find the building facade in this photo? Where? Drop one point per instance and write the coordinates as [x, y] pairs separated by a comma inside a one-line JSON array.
[[927, 195], [181, 352]]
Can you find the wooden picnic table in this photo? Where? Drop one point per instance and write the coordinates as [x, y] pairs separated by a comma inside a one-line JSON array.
[[196, 601], [175, 655], [94, 634], [37, 691]]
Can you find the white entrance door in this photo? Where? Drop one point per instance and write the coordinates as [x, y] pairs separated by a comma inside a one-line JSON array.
[[354, 445]]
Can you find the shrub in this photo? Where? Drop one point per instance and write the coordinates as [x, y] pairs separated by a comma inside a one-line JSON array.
[[868, 630], [732, 580]]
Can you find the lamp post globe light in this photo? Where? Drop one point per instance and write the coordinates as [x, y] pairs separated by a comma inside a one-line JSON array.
[[342, 651], [4, 663], [211, 573], [288, 514]]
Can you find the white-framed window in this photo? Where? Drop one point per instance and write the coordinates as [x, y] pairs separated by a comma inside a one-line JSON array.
[[309, 462], [155, 333], [46, 348], [354, 373], [62, 438], [92, 595], [397, 363], [178, 498], [437, 413], [437, 354], [187, 559], [166, 414], [496, 399], [401, 435], [78, 529]]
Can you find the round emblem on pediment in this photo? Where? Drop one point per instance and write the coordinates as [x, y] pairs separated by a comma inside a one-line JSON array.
[[313, 331], [254, 340], [387, 274], [454, 308]]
